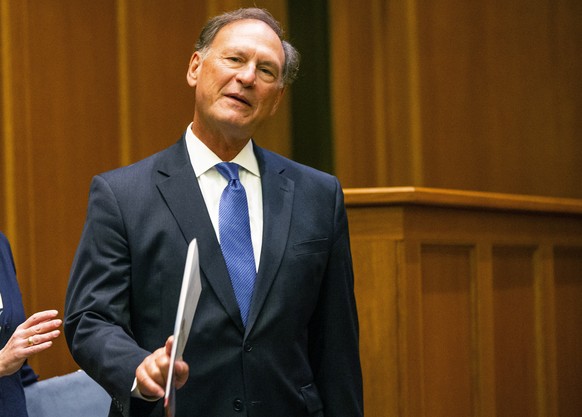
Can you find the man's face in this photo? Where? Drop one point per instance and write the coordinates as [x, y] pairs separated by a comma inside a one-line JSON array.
[[239, 80]]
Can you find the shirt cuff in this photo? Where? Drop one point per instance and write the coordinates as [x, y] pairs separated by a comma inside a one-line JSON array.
[[135, 393]]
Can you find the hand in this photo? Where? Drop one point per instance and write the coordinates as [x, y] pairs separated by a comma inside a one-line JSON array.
[[151, 375], [34, 335]]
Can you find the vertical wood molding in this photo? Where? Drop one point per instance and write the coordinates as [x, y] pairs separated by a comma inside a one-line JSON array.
[[475, 338], [539, 279], [545, 330], [410, 333], [376, 93], [125, 143], [402, 371], [25, 157], [379, 69], [8, 163], [339, 74], [485, 338], [414, 101], [377, 299]]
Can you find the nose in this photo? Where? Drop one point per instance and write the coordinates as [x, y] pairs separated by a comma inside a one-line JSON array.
[[246, 76]]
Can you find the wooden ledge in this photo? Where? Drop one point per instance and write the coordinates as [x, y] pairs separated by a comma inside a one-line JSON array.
[[393, 196]]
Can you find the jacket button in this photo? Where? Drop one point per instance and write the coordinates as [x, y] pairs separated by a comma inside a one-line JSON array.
[[237, 405], [248, 347]]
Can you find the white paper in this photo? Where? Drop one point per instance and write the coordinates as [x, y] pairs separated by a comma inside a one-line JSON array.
[[189, 296]]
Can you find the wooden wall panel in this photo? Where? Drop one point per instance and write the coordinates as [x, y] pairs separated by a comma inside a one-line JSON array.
[[60, 128], [479, 95], [374, 85], [515, 339], [447, 330], [155, 44], [489, 70], [377, 301], [487, 301]]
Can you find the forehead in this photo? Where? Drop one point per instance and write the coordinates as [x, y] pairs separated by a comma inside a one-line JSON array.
[[250, 34]]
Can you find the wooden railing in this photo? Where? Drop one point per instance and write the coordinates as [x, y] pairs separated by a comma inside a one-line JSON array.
[[470, 303]]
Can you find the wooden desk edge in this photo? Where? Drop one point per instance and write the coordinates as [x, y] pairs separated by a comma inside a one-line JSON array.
[[437, 197]]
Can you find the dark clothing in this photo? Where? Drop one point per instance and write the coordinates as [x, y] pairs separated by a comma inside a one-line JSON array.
[[12, 401], [298, 355]]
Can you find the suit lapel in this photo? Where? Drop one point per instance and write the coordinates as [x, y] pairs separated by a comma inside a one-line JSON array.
[[179, 187], [278, 193]]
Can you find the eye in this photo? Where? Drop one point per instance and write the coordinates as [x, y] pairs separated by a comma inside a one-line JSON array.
[[233, 58], [267, 73]]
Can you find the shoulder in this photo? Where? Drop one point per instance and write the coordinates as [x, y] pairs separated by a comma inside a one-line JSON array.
[[3, 240], [7, 268], [5, 249], [136, 186], [147, 171], [162, 160]]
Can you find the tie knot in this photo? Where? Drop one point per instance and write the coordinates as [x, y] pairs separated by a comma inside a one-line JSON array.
[[228, 170]]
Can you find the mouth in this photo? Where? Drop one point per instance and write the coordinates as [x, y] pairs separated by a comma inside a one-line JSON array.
[[239, 98]]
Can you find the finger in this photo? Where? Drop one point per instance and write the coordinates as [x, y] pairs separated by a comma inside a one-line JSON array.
[[181, 371], [147, 385], [42, 328], [34, 345], [39, 339], [163, 365], [35, 323], [151, 374], [40, 317], [36, 348]]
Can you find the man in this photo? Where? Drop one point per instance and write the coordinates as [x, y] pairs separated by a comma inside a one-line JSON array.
[[290, 349]]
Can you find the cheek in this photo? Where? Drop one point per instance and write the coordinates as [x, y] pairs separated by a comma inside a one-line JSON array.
[[207, 90], [213, 77], [270, 98]]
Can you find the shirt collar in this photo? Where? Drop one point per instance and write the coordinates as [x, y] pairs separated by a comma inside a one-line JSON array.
[[202, 158]]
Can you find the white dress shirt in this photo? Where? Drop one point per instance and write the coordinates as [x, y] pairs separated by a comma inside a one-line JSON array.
[[212, 184]]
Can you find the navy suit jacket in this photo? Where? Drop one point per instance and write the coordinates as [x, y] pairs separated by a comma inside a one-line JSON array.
[[298, 355], [12, 400]]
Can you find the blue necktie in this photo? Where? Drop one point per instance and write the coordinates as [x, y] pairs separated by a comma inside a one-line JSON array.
[[235, 237]]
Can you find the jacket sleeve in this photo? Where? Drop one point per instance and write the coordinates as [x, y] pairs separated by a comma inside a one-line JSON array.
[[97, 312]]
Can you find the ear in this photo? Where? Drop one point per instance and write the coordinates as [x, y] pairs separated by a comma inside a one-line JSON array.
[[278, 100], [193, 69]]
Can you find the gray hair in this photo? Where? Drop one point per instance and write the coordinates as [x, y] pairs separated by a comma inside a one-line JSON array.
[[213, 26]]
